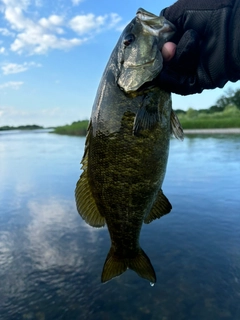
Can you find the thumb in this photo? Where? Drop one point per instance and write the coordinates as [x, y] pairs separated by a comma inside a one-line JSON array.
[[168, 51]]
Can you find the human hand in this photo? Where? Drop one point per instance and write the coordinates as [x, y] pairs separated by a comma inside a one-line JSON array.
[[207, 52], [168, 51]]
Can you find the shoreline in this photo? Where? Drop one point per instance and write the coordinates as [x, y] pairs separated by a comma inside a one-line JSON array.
[[212, 131]]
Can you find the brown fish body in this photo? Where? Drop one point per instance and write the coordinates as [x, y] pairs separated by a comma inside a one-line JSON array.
[[125, 161]]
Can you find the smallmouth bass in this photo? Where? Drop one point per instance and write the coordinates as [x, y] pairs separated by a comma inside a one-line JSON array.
[[127, 144]]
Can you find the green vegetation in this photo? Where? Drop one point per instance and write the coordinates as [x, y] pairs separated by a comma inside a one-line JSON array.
[[193, 119], [27, 127], [225, 114], [77, 128]]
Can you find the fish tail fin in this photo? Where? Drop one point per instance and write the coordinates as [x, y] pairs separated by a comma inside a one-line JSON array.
[[142, 265], [115, 266]]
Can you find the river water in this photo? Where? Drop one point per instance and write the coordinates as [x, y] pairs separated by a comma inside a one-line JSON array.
[[51, 261]]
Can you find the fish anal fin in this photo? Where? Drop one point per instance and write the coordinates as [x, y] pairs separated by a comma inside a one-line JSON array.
[[85, 202], [160, 207], [140, 263], [176, 127]]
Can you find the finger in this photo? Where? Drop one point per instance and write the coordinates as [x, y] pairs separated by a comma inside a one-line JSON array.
[[168, 51]]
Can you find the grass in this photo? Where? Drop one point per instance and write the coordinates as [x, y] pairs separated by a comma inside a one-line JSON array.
[[193, 119], [210, 123], [77, 128]]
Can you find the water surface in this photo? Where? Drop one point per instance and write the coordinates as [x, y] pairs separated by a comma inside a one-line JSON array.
[[51, 261]]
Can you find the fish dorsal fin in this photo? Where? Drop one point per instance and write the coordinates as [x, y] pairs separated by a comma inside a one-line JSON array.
[[85, 202], [160, 207], [176, 127]]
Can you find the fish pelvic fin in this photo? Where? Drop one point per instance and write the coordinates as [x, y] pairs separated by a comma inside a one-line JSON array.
[[85, 202], [115, 266], [176, 127], [160, 207]]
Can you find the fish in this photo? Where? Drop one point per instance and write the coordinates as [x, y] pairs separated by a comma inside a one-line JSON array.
[[127, 146]]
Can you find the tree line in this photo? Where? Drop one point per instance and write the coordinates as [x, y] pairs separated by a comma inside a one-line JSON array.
[[230, 100]]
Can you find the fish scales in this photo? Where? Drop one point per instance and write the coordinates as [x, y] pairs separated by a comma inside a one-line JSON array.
[[126, 150], [125, 172]]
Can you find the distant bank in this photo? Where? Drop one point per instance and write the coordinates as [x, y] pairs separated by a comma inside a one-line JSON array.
[[79, 128], [193, 122], [213, 131], [27, 127]]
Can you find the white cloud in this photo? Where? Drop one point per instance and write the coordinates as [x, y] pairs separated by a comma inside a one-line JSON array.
[[90, 23], [11, 85], [40, 36], [86, 23], [36, 37], [38, 3], [10, 68], [43, 43], [5, 32], [76, 2], [114, 20], [21, 3], [2, 50], [52, 23], [16, 19]]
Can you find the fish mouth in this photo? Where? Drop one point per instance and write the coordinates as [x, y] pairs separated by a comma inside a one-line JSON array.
[[135, 66], [144, 15], [155, 25]]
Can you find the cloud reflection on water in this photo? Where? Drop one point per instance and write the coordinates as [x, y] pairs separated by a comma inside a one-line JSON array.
[[51, 238], [6, 247], [64, 250], [51, 231]]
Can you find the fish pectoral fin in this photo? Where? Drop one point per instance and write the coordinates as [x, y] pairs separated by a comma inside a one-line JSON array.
[[160, 207], [176, 127], [115, 266], [85, 201], [146, 117]]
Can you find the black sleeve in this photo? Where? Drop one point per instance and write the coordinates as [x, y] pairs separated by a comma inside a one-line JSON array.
[[207, 54]]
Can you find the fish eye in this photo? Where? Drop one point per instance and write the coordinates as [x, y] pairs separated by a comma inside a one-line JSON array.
[[129, 39]]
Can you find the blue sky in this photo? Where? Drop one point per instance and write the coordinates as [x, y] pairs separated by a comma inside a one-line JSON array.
[[53, 53]]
